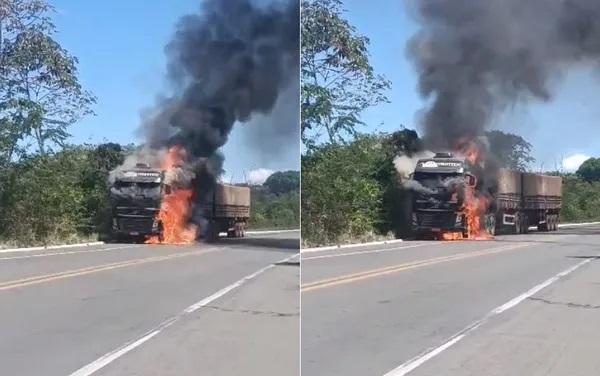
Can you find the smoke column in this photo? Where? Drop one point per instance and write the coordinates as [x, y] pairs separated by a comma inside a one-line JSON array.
[[226, 64], [474, 58]]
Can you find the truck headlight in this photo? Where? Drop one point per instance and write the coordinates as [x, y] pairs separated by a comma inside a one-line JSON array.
[[459, 219]]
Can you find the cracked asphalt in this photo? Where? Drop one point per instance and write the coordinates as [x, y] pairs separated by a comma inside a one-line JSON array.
[[368, 310], [61, 310]]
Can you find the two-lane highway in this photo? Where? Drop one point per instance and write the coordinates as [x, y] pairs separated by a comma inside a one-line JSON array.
[[415, 307], [118, 309]]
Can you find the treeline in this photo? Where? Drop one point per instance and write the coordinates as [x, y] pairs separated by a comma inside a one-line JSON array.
[[57, 197], [276, 203], [62, 197], [351, 192]]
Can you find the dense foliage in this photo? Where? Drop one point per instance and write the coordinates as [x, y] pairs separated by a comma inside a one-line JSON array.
[[55, 198], [283, 182], [590, 170], [511, 150], [40, 93], [338, 81], [274, 211]]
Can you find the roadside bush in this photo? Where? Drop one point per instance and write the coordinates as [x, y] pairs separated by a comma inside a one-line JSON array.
[[271, 211], [59, 197], [341, 196], [581, 200]]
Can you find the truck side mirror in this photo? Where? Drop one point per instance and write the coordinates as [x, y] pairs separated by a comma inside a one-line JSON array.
[[470, 180]]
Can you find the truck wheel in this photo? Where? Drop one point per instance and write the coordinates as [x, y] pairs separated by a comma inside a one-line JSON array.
[[554, 222], [544, 226], [231, 234], [490, 224], [525, 222], [518, 224]]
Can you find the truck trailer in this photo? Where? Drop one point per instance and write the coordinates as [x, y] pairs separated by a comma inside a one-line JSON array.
[[227, 210], [136, 195], [517, 199]]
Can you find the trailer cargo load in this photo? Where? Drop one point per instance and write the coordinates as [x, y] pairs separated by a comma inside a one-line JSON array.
[[228, 210]]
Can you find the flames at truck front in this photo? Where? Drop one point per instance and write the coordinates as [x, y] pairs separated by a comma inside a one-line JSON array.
[[176, 206], [475, 203]]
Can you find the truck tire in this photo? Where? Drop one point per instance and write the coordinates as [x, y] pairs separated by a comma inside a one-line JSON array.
[[546, 225], [554, 222], [518, 224], [490, 224], [525, 222]]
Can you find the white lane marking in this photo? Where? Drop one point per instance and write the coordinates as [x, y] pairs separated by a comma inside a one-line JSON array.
[[340, 246], [363, 252], [28, 249], [428, 354], [108, 358], [66, 253]]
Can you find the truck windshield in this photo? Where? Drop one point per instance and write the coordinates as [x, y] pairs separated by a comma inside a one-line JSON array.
[[437, 180], [137, 188]]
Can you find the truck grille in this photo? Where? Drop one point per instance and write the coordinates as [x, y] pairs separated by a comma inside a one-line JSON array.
[[440, 220], [141, 225]]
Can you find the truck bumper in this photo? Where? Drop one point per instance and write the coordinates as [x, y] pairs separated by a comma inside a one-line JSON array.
[[137, 227], [432, 222]]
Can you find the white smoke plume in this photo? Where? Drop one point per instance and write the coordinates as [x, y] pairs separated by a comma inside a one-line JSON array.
[[259, 176], [405, 165]]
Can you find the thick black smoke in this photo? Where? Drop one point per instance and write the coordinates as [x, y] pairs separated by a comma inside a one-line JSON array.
[[231, 62], [476, 57], [226, 64]]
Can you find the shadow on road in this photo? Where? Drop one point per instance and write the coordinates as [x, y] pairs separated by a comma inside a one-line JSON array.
[[585, 257], [292, 244]]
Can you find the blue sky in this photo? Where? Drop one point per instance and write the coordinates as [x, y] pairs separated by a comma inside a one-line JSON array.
[[567, 126], [120, 49]]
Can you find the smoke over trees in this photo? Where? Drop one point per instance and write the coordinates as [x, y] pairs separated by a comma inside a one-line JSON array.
[[225, 65], [474, 58]]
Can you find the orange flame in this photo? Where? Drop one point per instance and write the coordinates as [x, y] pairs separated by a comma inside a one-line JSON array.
[[475, 204], [470, 151], [451, 235], [176, 206], [475, 207]]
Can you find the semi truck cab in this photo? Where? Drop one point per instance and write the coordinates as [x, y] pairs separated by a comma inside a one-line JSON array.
[[438, 191], [135, 196]]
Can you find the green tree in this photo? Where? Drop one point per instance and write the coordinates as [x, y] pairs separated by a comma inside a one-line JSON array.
[[590, 170], [338, 81], [283, 182], [40, 93], [511, 150], [341, 193]]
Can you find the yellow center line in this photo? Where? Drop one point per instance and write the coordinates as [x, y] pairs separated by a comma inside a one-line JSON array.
[[24, 282], [348, 278]]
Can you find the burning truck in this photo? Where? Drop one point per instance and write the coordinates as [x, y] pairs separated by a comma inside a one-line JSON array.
[[146, 206], [451, 200]]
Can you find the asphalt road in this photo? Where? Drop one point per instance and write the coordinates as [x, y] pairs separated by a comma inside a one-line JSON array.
[[517, 305], [116, 309]]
